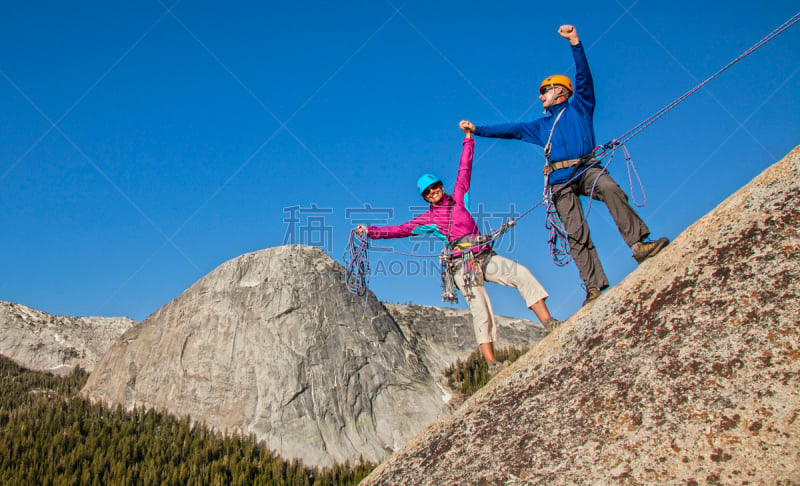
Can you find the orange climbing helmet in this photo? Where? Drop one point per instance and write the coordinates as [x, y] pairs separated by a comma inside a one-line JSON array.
[[557, 80]]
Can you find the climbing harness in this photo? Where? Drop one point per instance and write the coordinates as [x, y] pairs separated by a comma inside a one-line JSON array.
[[472, 262], [469, 252], [356, 258], [557, 234], [551, 167]]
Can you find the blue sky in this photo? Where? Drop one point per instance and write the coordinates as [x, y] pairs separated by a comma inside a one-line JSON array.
[[143, 144]]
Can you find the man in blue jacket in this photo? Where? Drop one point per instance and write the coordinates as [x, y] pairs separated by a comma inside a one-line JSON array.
[[567, 134]]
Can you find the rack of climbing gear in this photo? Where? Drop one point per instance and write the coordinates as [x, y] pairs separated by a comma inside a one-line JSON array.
[[356, 263], [448, 283], [469, 253]]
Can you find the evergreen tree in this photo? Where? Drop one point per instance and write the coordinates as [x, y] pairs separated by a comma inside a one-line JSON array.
[[469, 376]]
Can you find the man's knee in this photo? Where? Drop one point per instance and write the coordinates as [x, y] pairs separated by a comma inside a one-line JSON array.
[[608, 188]]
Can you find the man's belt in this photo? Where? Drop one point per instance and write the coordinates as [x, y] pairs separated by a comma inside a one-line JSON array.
[[565, 164]]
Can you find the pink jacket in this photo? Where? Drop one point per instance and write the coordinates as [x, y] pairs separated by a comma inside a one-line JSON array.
[[450, 216]]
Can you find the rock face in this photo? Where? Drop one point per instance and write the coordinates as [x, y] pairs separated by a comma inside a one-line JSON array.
[[687, 372], [56, 344], [271, 343]]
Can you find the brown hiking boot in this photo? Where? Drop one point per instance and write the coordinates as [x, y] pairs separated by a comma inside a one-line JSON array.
[[591, 295], [646, 249]]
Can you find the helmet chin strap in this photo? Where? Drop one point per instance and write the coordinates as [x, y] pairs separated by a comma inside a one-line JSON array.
[[550, 89]]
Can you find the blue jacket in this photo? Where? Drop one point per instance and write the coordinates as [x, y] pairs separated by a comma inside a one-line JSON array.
[[574, 133]]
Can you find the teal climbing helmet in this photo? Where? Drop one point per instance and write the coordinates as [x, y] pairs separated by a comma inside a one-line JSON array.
[[426, 181]]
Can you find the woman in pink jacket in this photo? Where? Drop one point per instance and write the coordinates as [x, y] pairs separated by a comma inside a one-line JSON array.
[[472, 262]]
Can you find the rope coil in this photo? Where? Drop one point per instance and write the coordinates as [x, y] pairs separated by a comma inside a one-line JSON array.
[[356, 263]]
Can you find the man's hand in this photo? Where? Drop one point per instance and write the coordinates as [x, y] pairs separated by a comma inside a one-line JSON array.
[[568, 32], [361, 230], [467, 126]]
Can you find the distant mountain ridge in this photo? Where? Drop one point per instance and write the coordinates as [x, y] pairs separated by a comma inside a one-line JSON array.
[[56, 344], [43, 342]]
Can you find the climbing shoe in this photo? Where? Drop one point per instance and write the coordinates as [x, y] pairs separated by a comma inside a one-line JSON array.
[[551, 324], [646, 249], [591, 295]]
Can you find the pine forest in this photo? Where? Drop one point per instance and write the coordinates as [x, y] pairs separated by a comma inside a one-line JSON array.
[[50, 436]]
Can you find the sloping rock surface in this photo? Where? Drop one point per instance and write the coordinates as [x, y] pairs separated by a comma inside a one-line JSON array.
[[271, 343], [687, 372], [56, 344]]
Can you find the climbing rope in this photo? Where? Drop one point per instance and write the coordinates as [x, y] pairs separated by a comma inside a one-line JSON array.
[[632, 170], [356, 263], [492, 238]]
